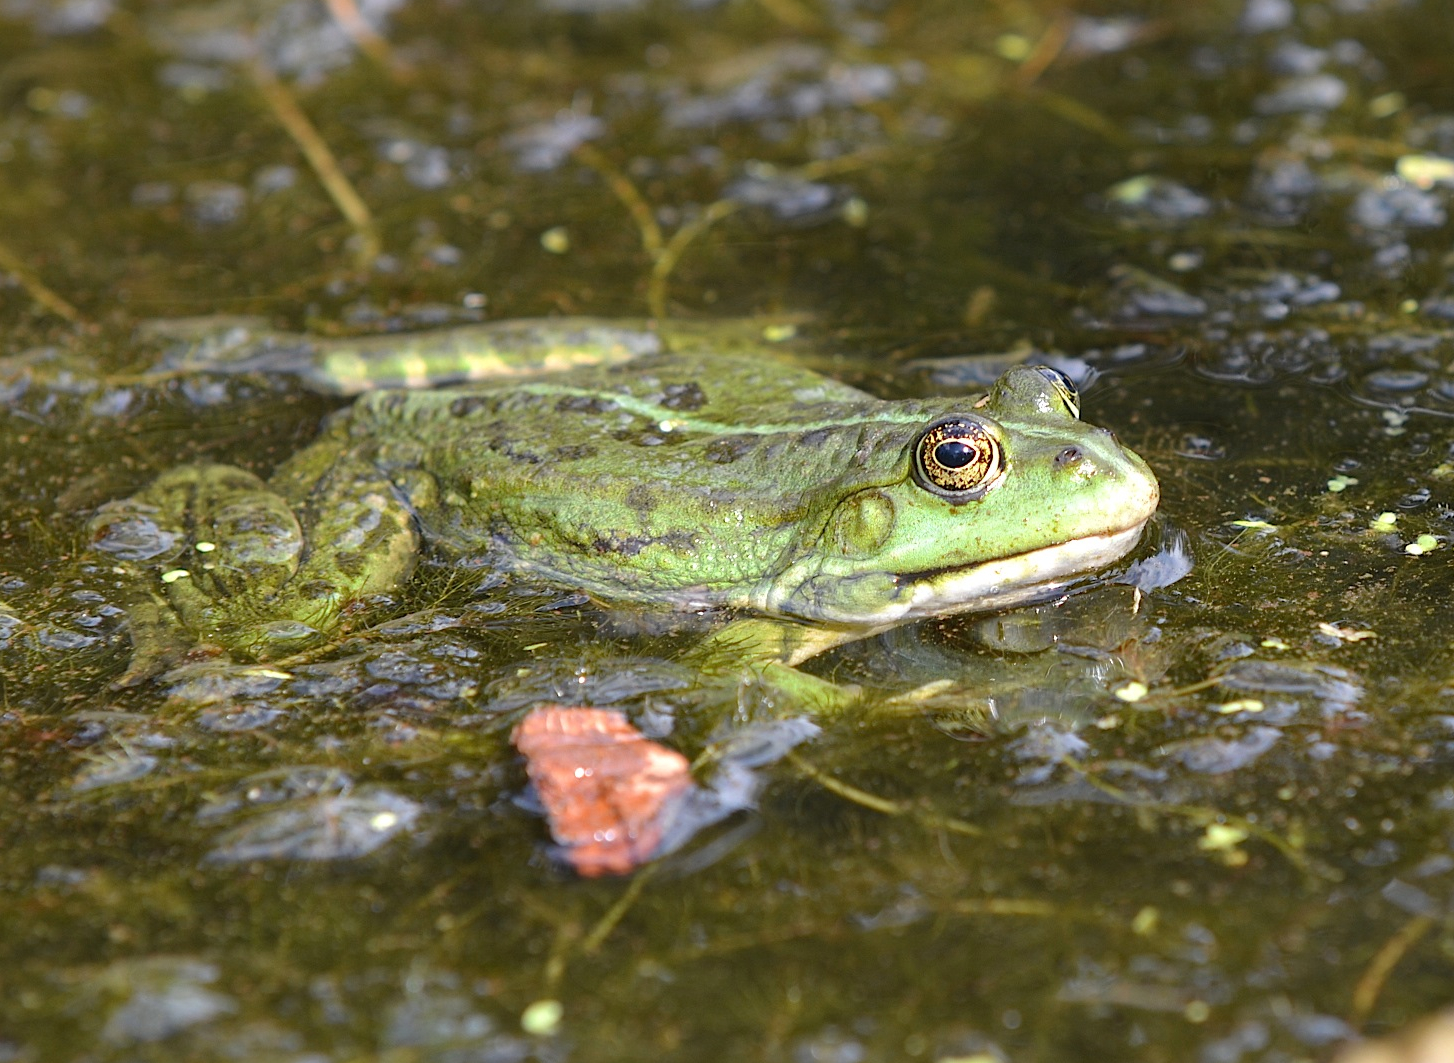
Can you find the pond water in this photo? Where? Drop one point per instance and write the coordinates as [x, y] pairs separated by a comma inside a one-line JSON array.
[[1200, 813]]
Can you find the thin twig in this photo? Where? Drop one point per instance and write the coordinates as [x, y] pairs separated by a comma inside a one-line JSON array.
[[676, 246], [350, 19], [320, 157], [36, 288], [1003, 906], [568, 939], [1370, 985], [882, 804], [1192, 688], [832, 929], [849, 793], [793, 14], [560, 949], [1079, 113], [661, 269], [666, 252], [1046, 50], [1204, 816], [625, 190], [602, 930]]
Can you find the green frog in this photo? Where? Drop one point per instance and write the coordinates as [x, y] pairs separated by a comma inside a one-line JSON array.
[[697, 476]]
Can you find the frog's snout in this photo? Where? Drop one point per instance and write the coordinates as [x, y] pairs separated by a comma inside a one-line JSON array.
[[1145, 489]]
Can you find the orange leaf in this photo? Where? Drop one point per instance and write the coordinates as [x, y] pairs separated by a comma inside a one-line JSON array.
[[606, 787]]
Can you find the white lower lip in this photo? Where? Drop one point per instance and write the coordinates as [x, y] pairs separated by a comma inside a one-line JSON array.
[[1012, 580]]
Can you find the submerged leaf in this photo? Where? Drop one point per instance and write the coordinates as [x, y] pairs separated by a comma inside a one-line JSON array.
[[606, 788]]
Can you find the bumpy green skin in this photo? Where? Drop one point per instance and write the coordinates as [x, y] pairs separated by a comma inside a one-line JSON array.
[[694, 479]]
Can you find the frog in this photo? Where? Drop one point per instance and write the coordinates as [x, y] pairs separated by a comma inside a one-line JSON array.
[[690, 476]]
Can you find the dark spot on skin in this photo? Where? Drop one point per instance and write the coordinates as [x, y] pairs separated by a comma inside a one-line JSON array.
[[688, 396], [640, 439], [392, 403], [573, 452], [639, 368], [642, 498], [585, 404], [467, 405], [631, 545], [503, 446], [726, 451], [816, 438], [1068, 456], [520, 400], [627, 547]]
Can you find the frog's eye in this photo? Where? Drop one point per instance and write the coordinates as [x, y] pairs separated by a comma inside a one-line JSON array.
[[1064, 387], [958, 459]]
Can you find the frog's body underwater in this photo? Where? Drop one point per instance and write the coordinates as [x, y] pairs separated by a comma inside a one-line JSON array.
[[696, 478]]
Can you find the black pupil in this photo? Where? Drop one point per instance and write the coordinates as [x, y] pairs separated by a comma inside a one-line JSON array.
[[954, 454]]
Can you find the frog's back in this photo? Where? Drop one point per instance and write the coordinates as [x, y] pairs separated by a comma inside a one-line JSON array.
[[684, 477]]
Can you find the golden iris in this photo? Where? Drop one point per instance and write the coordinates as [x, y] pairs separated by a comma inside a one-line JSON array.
[[958, 459]]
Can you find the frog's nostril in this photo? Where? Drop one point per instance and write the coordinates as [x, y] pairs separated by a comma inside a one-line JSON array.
[[1068, 456]]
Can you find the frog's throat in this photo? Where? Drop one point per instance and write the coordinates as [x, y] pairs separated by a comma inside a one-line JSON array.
[[998, 584]]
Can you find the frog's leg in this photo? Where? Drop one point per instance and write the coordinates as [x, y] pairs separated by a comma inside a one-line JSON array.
[[766, 652], [492, 350], [517, 349], [264, 572], [495, 350]]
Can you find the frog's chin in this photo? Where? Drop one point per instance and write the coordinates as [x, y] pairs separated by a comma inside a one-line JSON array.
[[1008, 581]]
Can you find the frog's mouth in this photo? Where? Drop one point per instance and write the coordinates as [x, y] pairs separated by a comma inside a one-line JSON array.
[[1007, 581]]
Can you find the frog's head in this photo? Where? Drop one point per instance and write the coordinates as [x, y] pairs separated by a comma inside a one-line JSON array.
[[982, 507]]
